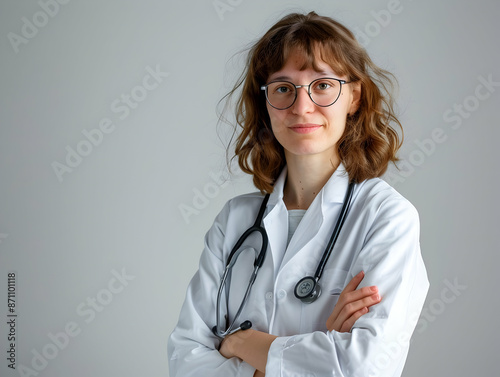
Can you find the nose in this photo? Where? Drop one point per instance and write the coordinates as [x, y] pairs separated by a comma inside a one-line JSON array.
[[303, 103]]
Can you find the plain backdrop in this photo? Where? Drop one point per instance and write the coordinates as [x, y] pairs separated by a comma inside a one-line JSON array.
[[95, 185]]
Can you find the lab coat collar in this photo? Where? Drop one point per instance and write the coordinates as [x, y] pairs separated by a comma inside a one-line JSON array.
[[277, 194], [333, 191], [336, 187], [276, 220]]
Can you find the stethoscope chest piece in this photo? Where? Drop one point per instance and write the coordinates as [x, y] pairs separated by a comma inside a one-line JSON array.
[[307, 290]]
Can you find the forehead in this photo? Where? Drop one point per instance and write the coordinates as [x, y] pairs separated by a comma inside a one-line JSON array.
[[316, 58], [297, 59]]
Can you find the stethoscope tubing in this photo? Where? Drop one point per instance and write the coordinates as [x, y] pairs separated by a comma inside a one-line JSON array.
[[336, 232], [235, 252], [232, 258], [231, 327]]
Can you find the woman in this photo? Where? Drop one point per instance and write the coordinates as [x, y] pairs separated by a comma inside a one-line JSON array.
[[314, 118]]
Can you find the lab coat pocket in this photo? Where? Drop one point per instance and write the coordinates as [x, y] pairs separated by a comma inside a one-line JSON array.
[[315, 315]]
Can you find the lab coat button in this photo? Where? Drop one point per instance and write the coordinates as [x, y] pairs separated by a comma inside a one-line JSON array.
[[269, 295], [281, 294]]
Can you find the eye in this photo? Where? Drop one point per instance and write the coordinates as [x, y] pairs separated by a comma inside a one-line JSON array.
[[282, 88], [323, 85]]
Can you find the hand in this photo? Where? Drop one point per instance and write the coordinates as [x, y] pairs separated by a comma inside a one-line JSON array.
[[231, 343], [250, 345], [352, 304], [225, 347]]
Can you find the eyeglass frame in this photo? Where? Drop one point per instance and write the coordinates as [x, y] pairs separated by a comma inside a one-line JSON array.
[[342, 82]]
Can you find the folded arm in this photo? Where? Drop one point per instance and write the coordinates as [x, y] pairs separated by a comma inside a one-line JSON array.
[[391, 259], [252, 346]]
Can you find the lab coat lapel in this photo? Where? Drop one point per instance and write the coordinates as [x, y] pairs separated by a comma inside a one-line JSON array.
[[306, 231], [276, 220], [332, 194]]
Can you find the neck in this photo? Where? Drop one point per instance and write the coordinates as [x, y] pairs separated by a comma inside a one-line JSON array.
[[306, 177]]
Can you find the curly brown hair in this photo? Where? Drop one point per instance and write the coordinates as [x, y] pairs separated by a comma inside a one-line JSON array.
[[369, 141]]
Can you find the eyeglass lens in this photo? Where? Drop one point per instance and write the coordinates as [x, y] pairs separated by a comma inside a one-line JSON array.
[[323, 92]]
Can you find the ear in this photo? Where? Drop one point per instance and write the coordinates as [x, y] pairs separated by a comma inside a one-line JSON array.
[[356, 96]]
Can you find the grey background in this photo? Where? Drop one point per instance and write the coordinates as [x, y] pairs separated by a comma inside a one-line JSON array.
[[120, 207]]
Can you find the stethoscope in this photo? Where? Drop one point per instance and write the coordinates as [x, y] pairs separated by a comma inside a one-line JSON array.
[[306, 290]]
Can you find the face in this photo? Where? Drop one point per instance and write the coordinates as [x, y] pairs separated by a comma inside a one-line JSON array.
[[305, 128]]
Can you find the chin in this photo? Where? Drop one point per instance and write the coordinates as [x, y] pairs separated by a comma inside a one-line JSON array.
[[305, 150]]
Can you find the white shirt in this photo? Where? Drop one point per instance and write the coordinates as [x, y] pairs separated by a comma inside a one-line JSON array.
[[380, 236], [294, 217]]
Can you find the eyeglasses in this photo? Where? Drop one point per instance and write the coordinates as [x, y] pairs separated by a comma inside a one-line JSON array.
[[323, 92]]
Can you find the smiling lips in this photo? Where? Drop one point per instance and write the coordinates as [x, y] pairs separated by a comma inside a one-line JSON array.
[[305, 128]]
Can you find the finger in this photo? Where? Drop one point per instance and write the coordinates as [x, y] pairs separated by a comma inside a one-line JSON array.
[[349, 293], [353, 284], [358, 294], [349, 323], [350, 297], [351, 308], [221, 349], [346, 325]]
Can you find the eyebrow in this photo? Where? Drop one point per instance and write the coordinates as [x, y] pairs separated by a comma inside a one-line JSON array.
[[279, 78], [288, 78]]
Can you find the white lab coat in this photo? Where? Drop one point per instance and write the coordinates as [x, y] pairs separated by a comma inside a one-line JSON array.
[[380, 236]]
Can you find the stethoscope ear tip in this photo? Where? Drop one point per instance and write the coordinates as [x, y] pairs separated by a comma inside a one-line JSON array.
[[246, 325], [214, 330], [243, 326]]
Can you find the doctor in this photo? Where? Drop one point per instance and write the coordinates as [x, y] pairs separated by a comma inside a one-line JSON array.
[[314, 117]]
